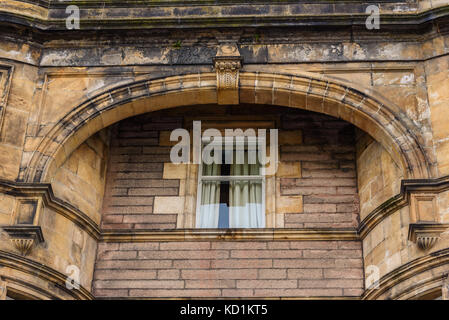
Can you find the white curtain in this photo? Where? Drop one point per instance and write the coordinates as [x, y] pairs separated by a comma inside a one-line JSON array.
[[245, 198], [210, 198]]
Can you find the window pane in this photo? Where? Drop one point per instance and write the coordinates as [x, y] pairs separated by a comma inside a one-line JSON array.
[[235, 203], [209, 207], [245, 205], [211, 169]]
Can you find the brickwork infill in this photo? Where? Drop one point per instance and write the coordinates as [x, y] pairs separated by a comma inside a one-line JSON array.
[[328, 181], [135, 174], [326, 153], [229, 269]]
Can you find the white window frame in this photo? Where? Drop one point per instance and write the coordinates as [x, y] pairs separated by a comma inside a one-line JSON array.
[[201, 178]]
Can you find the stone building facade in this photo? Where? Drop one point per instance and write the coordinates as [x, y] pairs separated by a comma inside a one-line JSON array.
[[93, 207]]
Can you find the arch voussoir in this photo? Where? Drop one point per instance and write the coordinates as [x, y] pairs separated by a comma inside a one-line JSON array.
[[386, 123]]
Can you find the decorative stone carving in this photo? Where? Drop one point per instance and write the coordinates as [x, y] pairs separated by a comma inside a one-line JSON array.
[[24, 230], [23, 245], [425, 235], [24, 237], [425, 243], [227, 64], [424, 230]]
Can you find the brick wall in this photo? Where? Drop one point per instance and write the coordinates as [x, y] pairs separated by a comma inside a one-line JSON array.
[[325, 152], [328, 178], [135, 174], [229, 269], [316, 187]]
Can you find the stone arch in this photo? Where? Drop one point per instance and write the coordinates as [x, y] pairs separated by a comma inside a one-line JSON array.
[[384, 121]]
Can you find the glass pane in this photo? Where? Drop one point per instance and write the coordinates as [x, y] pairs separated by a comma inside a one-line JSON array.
[[211, 169], [209, 206], [239, 156], [245, 205], [236, 203], [223, 216]]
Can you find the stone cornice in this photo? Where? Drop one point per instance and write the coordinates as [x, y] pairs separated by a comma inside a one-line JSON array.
[[425, 185], [381, 212], [40, 270], [132, 235], [407, 271], [45, 191], [119, 15], [401, 200], [322, 234]]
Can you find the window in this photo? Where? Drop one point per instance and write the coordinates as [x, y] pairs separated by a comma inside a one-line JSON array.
[[231, 192]]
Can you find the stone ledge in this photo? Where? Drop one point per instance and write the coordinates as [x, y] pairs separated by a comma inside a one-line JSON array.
[[426, 234], [229, 234], [405, 272], [401, 200], [376, 216], [223, 15], [63, 208], [24, 237], [23, 231], [39, 270]]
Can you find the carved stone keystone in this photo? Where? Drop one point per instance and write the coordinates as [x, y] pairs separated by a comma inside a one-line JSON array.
[[227, 64]]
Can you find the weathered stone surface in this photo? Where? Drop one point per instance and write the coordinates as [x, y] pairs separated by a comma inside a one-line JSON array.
[[60, 89]]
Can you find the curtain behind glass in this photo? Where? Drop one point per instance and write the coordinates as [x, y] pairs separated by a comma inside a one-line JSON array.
[[210, 198], [245, 198]]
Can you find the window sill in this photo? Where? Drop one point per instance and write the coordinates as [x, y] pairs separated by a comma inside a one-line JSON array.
[[264, 234]]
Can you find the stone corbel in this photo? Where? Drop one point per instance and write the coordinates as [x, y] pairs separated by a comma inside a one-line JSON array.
[[424, 229], [24, 237], [24, 231], [227, 64], [425, 235]]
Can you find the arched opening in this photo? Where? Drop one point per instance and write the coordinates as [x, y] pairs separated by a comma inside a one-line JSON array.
[[315, 188], [384, 122], [165, 200]]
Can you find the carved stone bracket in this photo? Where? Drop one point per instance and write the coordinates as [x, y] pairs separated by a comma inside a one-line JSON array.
[[24, 237], [227, 64], [425, 235]]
